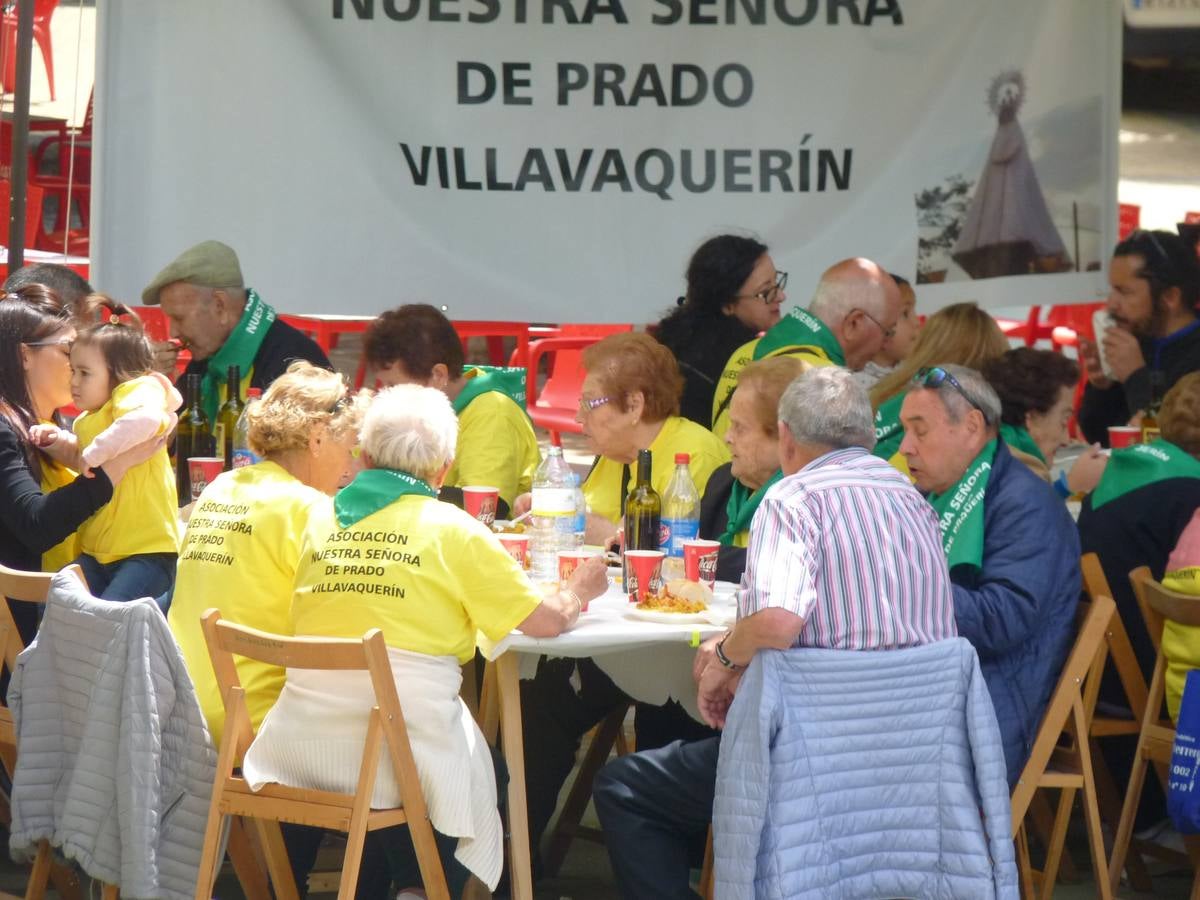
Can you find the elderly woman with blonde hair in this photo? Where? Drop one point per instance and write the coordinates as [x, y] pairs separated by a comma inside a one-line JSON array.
[[430, 577], [242, 549]]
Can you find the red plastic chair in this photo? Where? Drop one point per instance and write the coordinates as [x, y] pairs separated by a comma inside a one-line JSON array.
[[73, 178], [495, 333], [555, 406], [43, 10]]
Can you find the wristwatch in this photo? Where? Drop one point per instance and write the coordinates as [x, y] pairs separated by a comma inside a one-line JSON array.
[[722, 658]]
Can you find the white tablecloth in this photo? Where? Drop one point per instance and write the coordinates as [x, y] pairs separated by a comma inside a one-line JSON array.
[[651, 662]]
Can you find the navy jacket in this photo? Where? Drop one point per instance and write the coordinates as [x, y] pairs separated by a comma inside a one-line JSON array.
[[1018, 610]]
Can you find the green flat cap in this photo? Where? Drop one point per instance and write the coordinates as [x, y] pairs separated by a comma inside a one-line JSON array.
[[208, 264]]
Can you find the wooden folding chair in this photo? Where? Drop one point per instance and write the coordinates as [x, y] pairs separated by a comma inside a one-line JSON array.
[[1133, 685], [275, 803], [1061, 756], [605, 736], [1157, 737], [32, 587]]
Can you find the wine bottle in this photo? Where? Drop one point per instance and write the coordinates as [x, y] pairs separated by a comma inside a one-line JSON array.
[[643, 509], [183, 443], [227, 416]]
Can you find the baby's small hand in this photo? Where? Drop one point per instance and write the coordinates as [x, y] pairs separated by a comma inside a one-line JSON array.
[[43, 435]]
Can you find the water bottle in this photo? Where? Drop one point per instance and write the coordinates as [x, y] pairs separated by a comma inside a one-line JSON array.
[[680, 509], [242, 454], [580, 512], [552, 515]]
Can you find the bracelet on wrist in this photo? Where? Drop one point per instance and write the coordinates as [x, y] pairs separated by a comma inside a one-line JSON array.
[[578, 603], [723, 659]]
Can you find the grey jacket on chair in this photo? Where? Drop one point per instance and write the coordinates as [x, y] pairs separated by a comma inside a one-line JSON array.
[[114, 762], [863, 774]]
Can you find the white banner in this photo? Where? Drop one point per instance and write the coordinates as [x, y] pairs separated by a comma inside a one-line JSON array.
[[559, 160]]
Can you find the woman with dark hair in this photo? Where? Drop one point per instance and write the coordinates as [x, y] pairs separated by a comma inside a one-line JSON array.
[[36, 332], [733, 293], [1036, 390]]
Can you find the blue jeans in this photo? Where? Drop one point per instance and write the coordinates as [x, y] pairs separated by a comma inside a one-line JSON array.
[[655, 807], [142, 575]]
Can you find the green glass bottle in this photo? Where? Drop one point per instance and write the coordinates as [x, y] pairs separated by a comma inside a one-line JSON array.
[[643, 509], [228, 415], [183, 445]]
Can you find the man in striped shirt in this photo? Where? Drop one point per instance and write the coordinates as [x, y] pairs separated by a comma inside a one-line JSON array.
[[844, 554]]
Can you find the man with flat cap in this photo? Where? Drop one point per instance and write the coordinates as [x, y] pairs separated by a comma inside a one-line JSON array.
[[223, 323]]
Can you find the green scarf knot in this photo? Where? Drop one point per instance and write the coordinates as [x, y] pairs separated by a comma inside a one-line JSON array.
[[742, 506], [1019, 438], [372, 490], [483, 379]]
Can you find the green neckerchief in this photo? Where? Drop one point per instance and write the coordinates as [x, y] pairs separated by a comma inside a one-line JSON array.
[[742, 506], [372, 490], [483, 379], [1133, 467], [797, 329], [960, 512], [1020, 439], [888, 430], [239, 350]]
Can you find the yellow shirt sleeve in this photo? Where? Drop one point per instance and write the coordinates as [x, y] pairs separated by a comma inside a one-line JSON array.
[[141, 394], [496, 446]]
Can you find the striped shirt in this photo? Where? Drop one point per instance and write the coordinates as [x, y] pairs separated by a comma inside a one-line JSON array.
[[849, 545]]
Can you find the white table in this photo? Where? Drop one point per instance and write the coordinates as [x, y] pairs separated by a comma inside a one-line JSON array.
[[651, 662]]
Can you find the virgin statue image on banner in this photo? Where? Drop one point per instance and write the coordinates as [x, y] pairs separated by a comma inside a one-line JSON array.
[[1001, 224]]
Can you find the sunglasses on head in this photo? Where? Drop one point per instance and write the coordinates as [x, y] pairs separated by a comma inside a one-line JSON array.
[[936, 376]]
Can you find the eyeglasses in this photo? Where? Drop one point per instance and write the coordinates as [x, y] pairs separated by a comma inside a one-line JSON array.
[[64, 343], [591, 404], [935, 376], [887, 332], [771, 294]]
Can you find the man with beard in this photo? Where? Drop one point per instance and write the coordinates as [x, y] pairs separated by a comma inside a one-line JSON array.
[[1155, 340]]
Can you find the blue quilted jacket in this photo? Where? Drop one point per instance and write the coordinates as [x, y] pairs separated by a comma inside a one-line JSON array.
[[863, 774], [1019, 609]]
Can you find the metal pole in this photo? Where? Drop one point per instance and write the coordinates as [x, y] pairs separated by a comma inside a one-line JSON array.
[[1075, 226], [20, 142]]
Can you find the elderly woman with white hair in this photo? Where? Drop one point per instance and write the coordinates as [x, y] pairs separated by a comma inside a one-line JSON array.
[[387, 554]]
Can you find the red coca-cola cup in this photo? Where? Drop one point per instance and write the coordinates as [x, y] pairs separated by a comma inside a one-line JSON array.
[[643, 570], [517, 546], [480, 502], [202, 470], [700, 560]]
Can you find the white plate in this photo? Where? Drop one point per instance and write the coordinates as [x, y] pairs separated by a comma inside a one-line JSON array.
[[667, 618]]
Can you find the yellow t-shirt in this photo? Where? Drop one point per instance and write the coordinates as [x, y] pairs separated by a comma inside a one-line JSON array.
[[602, 489], [143, 515], [54, 476], [1180, 643], [423, 571], [496, 446], [738, 360], [240, 554]]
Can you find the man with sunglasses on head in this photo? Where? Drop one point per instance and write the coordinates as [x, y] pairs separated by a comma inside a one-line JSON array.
[[1155, 337], [1009, 541], [854, 310]]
